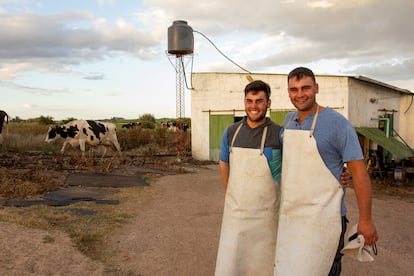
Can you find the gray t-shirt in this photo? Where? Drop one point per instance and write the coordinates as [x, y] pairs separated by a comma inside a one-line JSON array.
[[251, 138]]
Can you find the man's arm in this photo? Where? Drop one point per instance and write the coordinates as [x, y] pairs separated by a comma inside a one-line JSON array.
[[362, 187], [224, 171]]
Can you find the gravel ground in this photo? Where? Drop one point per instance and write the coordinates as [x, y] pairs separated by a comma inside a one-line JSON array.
[[176, 233]]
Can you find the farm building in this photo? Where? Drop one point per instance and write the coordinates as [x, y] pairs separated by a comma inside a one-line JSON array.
[[381, 113]]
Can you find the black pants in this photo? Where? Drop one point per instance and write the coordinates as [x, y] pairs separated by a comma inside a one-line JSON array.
[[337, 266]]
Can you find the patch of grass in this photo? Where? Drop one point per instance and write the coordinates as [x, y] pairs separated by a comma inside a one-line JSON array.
[[24, 183], [88, 233], [48, 239], [30, 136], [118, 271], [28, 177]]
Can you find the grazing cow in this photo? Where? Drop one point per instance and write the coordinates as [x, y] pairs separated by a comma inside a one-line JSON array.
[[2, 116], [184, 127], [131, 125], [81, 132], [174, 126]]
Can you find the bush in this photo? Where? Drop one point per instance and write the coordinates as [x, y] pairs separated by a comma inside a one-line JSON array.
[[24, 136], [134, 138], [147, 124], [147, 118]]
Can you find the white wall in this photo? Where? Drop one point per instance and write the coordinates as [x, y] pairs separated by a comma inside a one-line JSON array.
[[366, 101], [406, 116], [223, 93], [333, 92], [217, 93]]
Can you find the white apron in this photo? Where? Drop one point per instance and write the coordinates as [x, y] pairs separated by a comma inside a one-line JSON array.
[[310, 209], [248, 230]]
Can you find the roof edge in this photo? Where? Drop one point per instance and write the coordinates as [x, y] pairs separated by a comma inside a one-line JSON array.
[[380, 83], [356, 77]]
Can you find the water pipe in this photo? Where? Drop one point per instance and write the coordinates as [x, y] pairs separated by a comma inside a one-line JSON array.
[[387, 125]]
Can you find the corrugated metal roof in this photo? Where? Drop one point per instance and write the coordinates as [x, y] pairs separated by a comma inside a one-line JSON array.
[[390, 144]]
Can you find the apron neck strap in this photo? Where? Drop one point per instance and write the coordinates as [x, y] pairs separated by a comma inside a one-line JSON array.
[[312, 129], [262, 143], [234, 136], [315, 117], [290, 120], [263, 140]]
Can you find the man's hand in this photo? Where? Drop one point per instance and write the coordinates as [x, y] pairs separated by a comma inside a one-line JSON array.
[[368, 230]]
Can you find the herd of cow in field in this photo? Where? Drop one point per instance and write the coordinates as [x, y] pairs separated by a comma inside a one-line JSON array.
[[79, 133]]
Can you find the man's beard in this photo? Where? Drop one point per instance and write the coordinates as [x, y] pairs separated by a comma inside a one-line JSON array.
[[258, 119]]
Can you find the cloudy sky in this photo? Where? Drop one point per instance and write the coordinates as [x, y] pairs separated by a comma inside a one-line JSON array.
[[96, 59]]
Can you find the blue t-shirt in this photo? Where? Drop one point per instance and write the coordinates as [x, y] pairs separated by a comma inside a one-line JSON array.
[[335, 137]]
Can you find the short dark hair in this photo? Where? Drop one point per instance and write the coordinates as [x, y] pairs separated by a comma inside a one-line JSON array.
[[301, 72], [256, 86]]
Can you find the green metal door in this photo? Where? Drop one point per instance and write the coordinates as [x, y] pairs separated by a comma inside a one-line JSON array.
[[278, 116], [218, 123]]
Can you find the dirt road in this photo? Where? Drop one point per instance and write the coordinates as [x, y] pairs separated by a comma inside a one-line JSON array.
[[176, 233]]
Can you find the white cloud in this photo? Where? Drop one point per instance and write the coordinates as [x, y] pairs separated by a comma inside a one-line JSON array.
[[46, 53], [27, 106], [106, 2], [321, 4]]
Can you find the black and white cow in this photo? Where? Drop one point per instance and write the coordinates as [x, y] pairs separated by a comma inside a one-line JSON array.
[[2, 116], [82, 132], [131, 125], [174, 126]]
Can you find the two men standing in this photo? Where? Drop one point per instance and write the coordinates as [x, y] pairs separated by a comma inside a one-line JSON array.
[[308, 232]]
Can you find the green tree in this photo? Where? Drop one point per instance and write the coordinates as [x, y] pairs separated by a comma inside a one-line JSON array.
[[67, 120], [17, 119], [48, 120]]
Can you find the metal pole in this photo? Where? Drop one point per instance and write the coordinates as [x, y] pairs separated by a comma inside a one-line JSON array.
[[179, 87], [387, 125], [180, 106]]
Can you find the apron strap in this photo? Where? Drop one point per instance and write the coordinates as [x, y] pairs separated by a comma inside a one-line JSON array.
[[263, 140], [234, 136], [312, 129], [314, 121], [261, 144], [286, 126], [288, 122]]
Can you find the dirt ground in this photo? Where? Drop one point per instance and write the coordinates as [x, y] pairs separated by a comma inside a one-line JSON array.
[[177, 231]]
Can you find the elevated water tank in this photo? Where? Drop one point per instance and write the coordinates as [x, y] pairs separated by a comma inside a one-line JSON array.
[[180, 38]]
